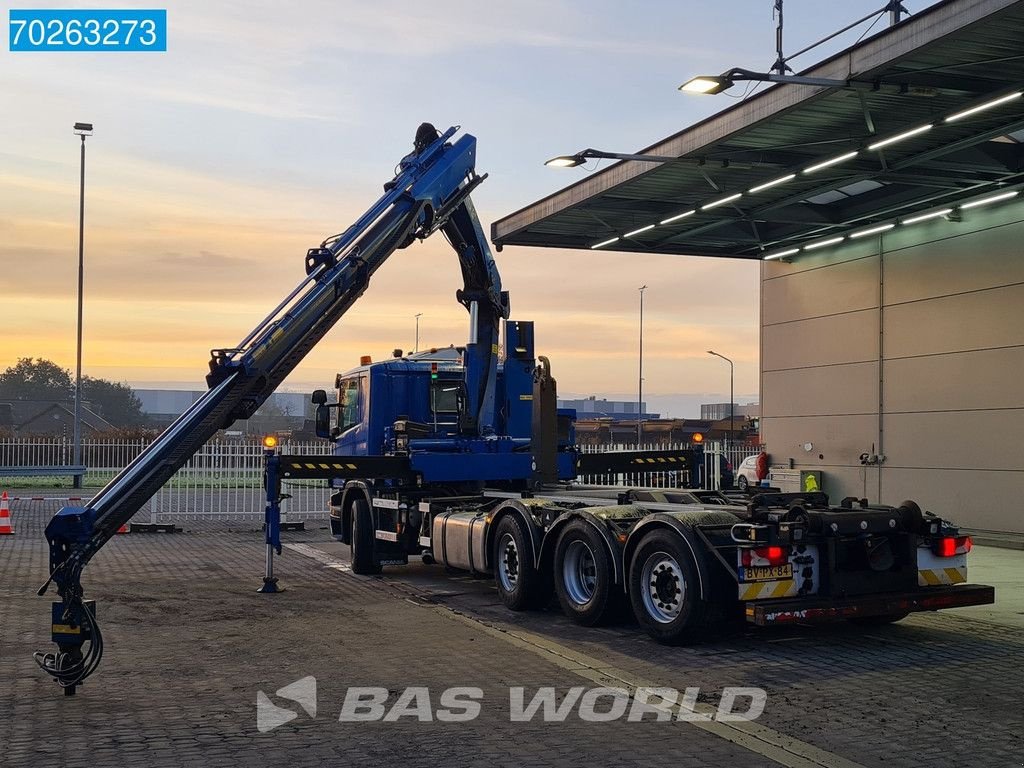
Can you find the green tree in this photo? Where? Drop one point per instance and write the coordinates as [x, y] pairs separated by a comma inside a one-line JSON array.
[[39, 379], [114, 401], [32, 379]]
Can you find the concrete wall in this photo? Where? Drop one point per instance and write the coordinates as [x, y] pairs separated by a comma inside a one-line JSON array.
[[911, 346]]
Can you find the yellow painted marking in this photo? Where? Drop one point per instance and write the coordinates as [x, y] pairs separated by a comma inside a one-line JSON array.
[[526, 397], [351, 466], [67, 629], [931, 578]]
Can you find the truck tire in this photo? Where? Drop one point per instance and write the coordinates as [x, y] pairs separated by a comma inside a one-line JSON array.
[[583, 574], [364, 556], [520, 585], [663, 589]]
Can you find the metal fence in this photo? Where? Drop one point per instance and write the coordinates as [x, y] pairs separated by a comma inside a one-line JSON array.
[[224, 479]]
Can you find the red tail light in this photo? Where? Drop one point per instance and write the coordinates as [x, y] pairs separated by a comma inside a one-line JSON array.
[[951, 546], [774, 556]]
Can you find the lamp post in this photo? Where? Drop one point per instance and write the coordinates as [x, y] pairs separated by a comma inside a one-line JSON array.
[[571, 161], [640, 378], [418, 316], [732, 399], [83, 130]]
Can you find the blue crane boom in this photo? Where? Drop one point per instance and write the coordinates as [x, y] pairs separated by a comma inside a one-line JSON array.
[[430, 191]]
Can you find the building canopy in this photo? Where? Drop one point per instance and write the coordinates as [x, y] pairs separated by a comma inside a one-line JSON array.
[[932, 119]]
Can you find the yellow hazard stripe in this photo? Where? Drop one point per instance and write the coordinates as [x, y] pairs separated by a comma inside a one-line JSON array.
[[934, 577], [751, 592], [782, 588], [955, 575], [767, 589]]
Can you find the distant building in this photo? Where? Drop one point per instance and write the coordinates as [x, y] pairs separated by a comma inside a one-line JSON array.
[[49, 418], [719, 411], [618, 410], [282, 410]]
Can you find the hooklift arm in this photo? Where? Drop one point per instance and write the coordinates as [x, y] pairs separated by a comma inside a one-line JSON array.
[[429, 192]]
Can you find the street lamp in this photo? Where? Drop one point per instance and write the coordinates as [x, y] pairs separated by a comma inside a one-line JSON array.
[[712, 84], [83, 130], [640, 380], [732, 399], [571, 161], [418, 316]]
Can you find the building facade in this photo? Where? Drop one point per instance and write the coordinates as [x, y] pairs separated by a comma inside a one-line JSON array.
[[908, 348]]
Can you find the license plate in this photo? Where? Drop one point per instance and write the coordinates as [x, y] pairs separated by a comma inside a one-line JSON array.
[[767, 572]]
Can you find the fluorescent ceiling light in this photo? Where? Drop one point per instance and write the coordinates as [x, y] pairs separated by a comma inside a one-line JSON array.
[[899, 137], [773, 183], [833, 161], [992, 199], [781, 254], [926, 216], [638, 231], [606, 242], [986, 105], [872, 230], [679, 216], [823, 243], [722, 201]]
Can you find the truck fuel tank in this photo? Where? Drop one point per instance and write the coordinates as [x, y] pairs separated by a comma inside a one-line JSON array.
[[459, 540]]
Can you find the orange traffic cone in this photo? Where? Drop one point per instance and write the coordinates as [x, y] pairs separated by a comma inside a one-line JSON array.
[[5, 516]]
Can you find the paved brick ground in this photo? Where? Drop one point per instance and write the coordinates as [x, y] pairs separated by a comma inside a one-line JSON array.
[[189, 644]]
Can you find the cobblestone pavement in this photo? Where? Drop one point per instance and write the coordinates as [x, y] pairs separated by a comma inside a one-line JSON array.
[[189, 643]]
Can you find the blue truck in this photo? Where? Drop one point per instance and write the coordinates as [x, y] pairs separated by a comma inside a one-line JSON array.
[[464, 458]]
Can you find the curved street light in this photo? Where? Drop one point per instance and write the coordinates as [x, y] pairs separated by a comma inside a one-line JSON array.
[[732, 398]]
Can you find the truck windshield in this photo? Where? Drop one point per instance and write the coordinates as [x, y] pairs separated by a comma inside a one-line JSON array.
[[348, 399]]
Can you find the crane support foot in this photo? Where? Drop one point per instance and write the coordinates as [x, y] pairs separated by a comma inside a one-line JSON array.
[[270, 586]]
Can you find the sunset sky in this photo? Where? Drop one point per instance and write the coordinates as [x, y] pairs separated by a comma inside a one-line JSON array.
[[267, 126]]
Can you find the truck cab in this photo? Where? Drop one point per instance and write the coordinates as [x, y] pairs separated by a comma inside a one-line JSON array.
[[416, 405]]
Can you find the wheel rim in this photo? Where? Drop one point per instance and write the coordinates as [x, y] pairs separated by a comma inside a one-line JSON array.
[[579, 572], [663, 587], [508, 563]]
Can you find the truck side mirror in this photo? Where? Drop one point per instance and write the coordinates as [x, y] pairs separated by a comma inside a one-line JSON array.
[[319, 397], [323, 421]]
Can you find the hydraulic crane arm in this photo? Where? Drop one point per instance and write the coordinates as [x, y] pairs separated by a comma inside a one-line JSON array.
[[430, 191]]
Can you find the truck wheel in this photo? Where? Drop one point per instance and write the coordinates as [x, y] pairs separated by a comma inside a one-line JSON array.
[[663, 589], [520, 585], [584, 577], [879, 621], [364, 556]]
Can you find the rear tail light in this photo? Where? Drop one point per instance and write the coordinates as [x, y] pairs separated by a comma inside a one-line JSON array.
[[774, 556], [951, 546]]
